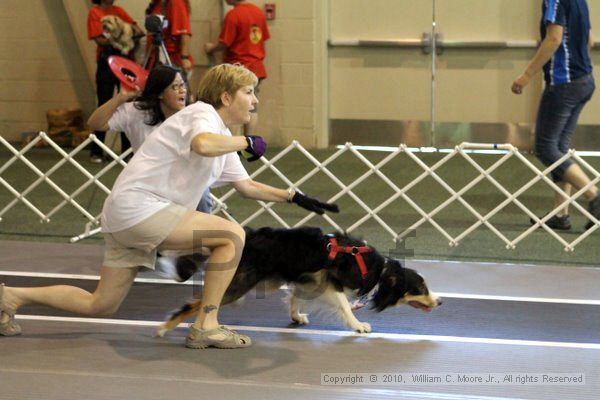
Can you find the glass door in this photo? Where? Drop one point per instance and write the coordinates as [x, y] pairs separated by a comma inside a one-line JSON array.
[[483, 47], [380, 72]]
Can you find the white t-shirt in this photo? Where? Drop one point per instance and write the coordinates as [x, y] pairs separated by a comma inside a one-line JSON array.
[[166, 170], [130, 120]]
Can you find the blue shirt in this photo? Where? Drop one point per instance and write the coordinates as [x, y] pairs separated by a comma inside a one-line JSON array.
[[572, 59]]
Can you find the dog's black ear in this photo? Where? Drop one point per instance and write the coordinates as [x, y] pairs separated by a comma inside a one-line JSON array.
[[391, 286], [415, 283]]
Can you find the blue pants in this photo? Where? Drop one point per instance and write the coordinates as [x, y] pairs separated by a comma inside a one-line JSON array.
[[559, 110], [206, 202]]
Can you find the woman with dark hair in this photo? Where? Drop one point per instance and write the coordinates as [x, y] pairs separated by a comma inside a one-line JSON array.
[[165, 93], [152, 99]]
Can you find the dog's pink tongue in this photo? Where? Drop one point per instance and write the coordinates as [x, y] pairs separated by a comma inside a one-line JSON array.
[[416, 304]]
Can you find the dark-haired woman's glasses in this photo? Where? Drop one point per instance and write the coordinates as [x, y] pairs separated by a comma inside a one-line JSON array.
[[178, 87]]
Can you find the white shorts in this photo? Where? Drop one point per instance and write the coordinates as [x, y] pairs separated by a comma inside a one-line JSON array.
[[137, 246]]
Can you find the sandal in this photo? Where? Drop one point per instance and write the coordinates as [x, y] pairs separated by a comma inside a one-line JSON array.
[[10, 327], [221, 337]]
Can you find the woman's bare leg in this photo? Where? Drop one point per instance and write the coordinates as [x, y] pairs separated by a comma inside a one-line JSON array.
[[112, 289], [576, 177], [559, 199], [226, 240]]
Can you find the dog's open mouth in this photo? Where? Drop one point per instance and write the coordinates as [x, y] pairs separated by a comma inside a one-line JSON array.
[[419, 305]]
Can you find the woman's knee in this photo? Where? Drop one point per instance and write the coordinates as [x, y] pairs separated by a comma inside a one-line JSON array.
[[100, 308], [239, 232], [112, 289], [545, 155], [234, 236], [206, 231]]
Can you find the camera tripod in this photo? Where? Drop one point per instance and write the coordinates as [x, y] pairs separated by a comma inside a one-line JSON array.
[[158, 49]]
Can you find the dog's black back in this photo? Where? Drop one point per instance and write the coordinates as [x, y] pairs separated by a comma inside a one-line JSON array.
[[292, 255], [301, 256]]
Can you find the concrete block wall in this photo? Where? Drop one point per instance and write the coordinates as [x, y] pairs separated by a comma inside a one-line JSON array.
[[40, 66], [47, 62]]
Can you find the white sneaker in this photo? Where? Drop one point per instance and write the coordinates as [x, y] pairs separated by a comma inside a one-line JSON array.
[[180, 268], [165, 267]]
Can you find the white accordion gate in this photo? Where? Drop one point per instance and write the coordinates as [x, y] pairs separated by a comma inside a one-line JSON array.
[[373, 170]]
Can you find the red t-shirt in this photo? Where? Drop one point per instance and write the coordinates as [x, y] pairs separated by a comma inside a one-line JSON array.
[[179, 24], [244, 33], [94, 23]]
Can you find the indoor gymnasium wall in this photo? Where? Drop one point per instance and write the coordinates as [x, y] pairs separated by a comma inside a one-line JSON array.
[[382, 94], [47, 62], [314, 93], [40, 66]]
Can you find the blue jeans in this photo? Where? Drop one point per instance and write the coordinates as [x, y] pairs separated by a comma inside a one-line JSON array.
[[559, 110], [206, 202]]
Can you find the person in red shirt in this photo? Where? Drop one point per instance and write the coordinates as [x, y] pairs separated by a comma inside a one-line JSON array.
[[178, 34], [106, 82], [243, 39]]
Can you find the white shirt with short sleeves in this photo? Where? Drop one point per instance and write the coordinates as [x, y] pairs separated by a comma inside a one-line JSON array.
[[166, 170], [130, 120]]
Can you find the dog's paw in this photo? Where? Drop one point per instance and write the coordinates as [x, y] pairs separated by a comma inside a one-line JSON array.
[[300, 319], [362, 327], [160, 332]]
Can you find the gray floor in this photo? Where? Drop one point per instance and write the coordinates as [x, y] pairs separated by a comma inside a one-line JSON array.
[[549, 332]]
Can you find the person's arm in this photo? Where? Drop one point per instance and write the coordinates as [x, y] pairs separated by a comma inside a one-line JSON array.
[[251, 189], [186, 63], [259, 191], [102, 40], [211, 47], [98, 121], [211, 145], [137, 31], [551, 43]]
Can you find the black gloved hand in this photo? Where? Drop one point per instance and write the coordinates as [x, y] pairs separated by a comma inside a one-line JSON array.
[[256, 148], [311, 204]]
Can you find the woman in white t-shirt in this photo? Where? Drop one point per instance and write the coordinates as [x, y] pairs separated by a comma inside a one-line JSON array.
[[164, 94], [152, 204]]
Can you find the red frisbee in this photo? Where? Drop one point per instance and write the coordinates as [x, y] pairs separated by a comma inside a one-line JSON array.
[[131, 75]]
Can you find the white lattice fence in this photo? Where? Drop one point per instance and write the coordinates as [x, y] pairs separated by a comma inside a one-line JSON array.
[[324, 169]]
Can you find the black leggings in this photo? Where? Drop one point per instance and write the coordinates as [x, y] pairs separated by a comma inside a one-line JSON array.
[[106, 83]]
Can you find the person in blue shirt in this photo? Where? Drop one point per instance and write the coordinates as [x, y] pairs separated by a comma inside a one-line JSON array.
[[565, 59]]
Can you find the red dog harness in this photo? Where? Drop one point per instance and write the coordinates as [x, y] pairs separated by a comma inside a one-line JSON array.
[[357, 252]]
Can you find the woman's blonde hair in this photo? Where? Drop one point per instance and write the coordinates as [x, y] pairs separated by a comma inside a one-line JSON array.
[[224, 78]]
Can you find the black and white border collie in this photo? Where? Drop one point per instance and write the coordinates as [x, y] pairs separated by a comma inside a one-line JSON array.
[[320, 268]]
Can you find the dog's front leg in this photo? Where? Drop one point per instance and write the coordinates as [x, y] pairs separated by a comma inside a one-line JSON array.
[[340, 301], [295, 314]]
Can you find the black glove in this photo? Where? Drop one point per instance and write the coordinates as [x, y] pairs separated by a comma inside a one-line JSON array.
[[256, 148], [311, 204]]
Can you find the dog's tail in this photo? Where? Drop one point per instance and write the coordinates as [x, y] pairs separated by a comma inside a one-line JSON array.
[[188, 310]]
